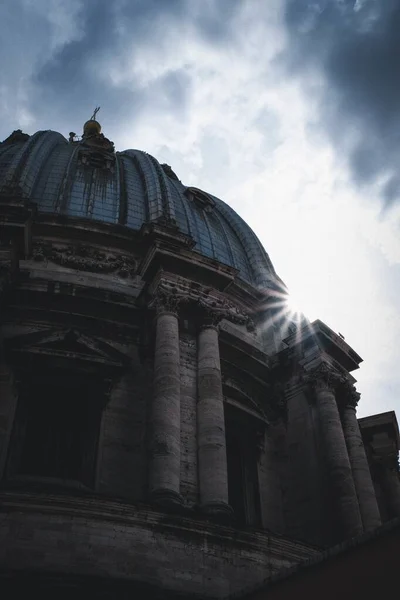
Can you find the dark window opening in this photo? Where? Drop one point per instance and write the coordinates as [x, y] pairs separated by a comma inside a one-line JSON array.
[[201, 198], [242, 457], [56, 432]]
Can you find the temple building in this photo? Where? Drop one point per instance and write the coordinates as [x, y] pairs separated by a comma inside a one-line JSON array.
[[167, 426]]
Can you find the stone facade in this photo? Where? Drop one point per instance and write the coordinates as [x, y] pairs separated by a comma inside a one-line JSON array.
[[157, 426]]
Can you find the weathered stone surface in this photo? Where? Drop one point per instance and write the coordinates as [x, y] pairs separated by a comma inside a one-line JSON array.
[[164, 475], [161, 419], [337, 460], [391, 486], [189, 479], [306, 514], [95, 537], [8, 403], [269, 474], [360, 468], [213, 475], [122, 458]]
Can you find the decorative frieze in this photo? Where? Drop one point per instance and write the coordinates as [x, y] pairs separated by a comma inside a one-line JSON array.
[[215, 311], [211, 309], [85, 258]]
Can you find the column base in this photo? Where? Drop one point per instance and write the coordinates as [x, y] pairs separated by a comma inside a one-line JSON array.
[[167, 499], [222, 510]]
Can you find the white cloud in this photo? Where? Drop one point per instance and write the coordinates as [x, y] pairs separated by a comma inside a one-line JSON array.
[[324, 238]]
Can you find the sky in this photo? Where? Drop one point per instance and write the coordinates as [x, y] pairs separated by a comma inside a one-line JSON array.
[[289, 110]]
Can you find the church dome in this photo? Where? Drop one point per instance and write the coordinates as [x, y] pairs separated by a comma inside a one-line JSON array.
[[88, 179]]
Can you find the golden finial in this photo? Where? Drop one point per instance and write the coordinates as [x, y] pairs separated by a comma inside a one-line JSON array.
[[92, 127]]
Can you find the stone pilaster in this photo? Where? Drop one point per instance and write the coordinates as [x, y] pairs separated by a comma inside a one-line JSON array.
[[7, 389], [7, 269], [8, 404], [213, 472], [359, 464], [337, 461], [164, 476], [391, 485]]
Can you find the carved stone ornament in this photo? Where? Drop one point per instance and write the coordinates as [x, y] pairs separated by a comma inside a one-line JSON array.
[[211, 309], [166, 300], [324, 377], [351, 396], [97, 151], [214, 312], [85, 258]]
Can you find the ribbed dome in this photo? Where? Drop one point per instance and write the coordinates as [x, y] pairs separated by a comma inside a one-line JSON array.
[[127, 188]]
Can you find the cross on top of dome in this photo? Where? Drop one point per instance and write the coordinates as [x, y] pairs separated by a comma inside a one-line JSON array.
[[96, 110], [92, 126]]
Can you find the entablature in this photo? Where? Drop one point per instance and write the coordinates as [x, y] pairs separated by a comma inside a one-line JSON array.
[[316, 337]]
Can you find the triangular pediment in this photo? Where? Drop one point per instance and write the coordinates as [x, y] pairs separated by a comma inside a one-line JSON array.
[[67, 343]]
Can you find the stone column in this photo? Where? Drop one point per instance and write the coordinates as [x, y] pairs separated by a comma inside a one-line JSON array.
[[335, 450], [359, 464], [391, 484], [164, 476], [213, 472]]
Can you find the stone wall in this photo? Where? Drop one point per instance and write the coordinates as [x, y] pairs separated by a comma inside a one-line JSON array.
[[188, 358], [122, 453], [93, 537], [8, 402], [270, 467]]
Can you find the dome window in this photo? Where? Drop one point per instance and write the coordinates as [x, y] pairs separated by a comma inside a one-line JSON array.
[[200, 198]]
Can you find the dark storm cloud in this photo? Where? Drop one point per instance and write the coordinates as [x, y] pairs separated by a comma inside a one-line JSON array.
[[65, 83], [356, 45], [75, 78]]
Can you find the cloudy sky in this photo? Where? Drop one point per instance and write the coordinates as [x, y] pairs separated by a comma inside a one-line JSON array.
[[289, 110]]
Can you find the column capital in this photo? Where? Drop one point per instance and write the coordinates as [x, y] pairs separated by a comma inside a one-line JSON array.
[[165, 300], [351, 396], [324, 377], [212, 312]]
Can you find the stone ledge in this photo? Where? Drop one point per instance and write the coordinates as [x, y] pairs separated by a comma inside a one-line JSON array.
[[96, 508]]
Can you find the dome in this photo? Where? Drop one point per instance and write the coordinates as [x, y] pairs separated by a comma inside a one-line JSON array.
[[88, 179]]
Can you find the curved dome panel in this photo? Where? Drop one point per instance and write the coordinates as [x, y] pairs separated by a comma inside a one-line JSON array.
[[128, 188]]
